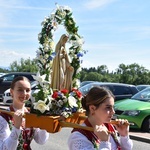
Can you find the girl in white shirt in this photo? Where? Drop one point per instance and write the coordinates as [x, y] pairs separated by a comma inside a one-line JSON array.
[[99, 103], [13, 134]]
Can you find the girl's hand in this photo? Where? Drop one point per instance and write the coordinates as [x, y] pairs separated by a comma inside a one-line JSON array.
[[122, 127], [70, 68], [102, 133], [17, 117]]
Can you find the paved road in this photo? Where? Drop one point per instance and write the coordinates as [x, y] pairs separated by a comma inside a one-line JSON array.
[[140, 136]]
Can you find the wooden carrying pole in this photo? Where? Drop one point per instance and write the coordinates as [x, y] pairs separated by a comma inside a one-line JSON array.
[[7, 112], [52, 123]]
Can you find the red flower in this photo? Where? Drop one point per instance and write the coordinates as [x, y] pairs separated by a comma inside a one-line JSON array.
[[64, 91], [55, 95], [79, 94]]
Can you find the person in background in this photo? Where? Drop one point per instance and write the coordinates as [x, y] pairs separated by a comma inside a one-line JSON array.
[[13, 134], [62, 71], [99, 103]]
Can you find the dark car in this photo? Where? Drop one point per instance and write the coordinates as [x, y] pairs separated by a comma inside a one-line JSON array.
[[120, 90], [5, 80]]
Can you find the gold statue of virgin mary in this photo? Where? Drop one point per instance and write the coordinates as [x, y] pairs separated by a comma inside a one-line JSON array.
[[62, 71]]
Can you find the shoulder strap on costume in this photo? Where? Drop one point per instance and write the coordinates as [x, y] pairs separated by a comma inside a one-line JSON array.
[[111, 128]]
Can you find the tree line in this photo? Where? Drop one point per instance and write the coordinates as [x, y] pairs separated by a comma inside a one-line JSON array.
[[130, 74]]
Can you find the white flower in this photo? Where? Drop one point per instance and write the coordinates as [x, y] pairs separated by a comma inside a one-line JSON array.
[[49, 97], [43, 61], [38, 53], [63, 7], [40, 79], [65, 100], [77, 81], [81, 110], [66, 114], [78, 42], [72, 101], [52, 16], [67, 8], [41, 106], [39, 36], [79, 70], [52, 45], [55, 25]]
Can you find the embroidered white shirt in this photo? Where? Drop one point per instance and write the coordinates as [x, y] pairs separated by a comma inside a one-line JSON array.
[[77, 141], [9, 139]]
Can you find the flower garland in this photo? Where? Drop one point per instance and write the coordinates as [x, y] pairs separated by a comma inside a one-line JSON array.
[[45, 54], [47, 100]]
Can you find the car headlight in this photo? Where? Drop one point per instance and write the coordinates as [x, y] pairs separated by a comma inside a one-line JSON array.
[[7, 94], [131, 112]]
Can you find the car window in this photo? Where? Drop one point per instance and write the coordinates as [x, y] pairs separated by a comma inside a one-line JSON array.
[[85, 89], [144, 95], [107, 87], [121, 90], [8, 77]]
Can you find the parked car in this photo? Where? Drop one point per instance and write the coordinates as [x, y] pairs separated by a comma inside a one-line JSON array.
[[1, 74], [7, 99], [136, 110], [120, 90], [5, 80], [142, 86]]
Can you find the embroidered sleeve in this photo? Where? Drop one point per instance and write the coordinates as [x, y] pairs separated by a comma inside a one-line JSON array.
[[126, 143], [8, 139], [41, 136]]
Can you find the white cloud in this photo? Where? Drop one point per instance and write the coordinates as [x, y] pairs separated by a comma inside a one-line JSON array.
[[8, 57], [26, 8], [92, 4]]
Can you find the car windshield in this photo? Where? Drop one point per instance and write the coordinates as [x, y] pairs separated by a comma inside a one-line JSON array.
[[143, 95], [141, 87], [84, 89]]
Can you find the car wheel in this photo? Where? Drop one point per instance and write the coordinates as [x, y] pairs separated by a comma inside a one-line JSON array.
[[146, 124]]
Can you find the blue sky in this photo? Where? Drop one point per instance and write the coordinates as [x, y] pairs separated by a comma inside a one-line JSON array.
[[114, 31]]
